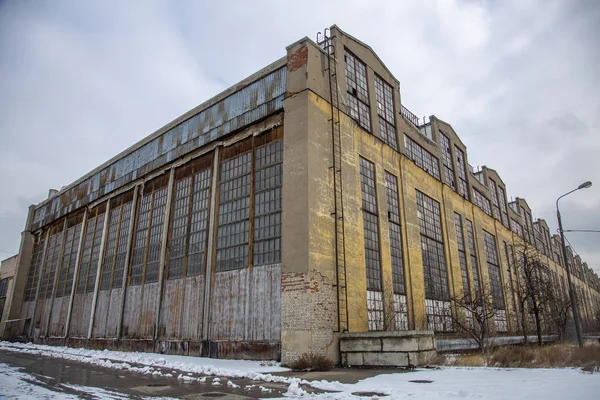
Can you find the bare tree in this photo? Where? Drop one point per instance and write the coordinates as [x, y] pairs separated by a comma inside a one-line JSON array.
[[530, 287], [474, 316], [557, 308]]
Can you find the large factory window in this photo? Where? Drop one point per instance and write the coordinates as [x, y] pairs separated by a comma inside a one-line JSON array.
[[462, 256], [435, 270], [372, 251], [148, 232], [267, 203], [422, 158], [67, 268], [493, 263], [116, 242], [391, 191], [463, 186], [234, 213], [473, 252], [385, 110], [447, 160], [357, 90], [51, 261], [91, 250], [34, 267], [187, 247]]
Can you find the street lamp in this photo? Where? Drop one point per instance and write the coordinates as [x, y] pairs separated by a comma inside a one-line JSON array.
[[584, 185]]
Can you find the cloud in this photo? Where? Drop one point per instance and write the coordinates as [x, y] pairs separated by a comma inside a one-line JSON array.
[[84, 80]]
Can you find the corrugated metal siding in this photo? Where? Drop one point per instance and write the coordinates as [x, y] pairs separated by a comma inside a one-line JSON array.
[[43, 315], [252, 103], [106, 320], [59, 316], [246, 305], [27, 309], [266, 303], [80, 315], [140, 311], [181, 310]]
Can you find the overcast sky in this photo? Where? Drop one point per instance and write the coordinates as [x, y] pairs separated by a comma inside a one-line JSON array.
[[518, 80]]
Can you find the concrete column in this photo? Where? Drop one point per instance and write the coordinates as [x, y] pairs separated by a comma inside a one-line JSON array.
[[99, 268], [212, 234], [56, 275], [163, 250], [76, 272], [134, 207], [39, 283]]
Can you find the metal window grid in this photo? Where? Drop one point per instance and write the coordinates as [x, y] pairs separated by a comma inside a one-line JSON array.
[[422, 158], [357, 90], [493, 263], [435, 269], [234, 213], [447, 161], [391, 186], [385, 110]]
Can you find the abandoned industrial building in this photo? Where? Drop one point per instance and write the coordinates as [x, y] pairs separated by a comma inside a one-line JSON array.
[[301, 206]]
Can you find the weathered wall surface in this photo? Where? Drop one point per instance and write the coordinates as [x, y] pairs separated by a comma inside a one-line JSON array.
[[108, 310], [254, 101]]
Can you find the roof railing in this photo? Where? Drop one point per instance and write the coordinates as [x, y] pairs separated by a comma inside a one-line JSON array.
[[412, 118]]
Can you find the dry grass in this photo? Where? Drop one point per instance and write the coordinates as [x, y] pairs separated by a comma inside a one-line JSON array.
[[312, 362], [553, 356]]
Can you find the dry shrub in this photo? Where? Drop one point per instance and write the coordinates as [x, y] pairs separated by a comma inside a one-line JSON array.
[[312, 362], [512, 357], [463, 360], [552, 356]]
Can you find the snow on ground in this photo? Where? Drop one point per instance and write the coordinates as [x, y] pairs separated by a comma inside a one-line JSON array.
[[155, 364], [447, 383], [17, 385], [477, 383]]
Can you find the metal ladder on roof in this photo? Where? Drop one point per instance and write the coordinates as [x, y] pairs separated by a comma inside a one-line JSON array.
[[325, 40]]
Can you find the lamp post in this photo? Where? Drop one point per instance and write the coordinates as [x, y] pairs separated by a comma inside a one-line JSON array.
[[584, 185]]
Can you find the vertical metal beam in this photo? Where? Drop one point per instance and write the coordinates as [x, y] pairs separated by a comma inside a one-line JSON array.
[[212, 233], [56, 275], [163, 251], [39, 284], [134, 207], [76, 272], [99, 268]]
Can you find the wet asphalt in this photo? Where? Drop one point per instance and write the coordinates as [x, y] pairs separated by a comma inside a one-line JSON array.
[[61, 375]]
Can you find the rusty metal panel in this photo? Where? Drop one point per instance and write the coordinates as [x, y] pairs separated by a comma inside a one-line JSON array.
[[181, 313], [229, 305], [171, 309], [266, 303], [43, 315], [131, 313], [140, 311], [80, 315], [249, 104], [27, 309], [58, 319], [246, 305], [193, 304], [101, 316], [107, 313]]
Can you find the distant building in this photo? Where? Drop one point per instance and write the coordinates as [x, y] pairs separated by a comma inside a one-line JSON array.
[[304, 202], [7, 272]]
